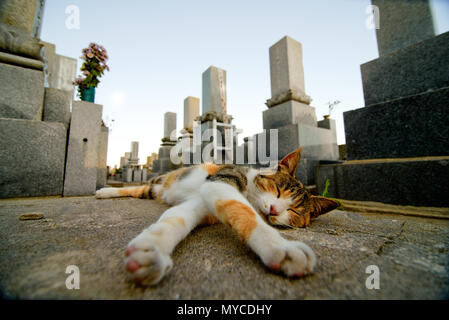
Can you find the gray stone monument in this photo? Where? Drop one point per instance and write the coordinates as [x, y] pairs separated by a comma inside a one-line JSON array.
[[163, 163], [398, 144], [191, 112], [402, 23], [290, 113], [102, 157], [82, 153], [214, 92], [19, 25]]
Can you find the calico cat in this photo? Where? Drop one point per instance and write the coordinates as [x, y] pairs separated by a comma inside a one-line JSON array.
[[248, 200]]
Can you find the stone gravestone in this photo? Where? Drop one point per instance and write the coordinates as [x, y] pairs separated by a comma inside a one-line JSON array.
[[191, 112], [102, 157], [214, 106], [82, 153], [405, 118], [32, 151], [291, 115], [163, 163]]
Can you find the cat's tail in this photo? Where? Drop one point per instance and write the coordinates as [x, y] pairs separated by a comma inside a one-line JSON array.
[[143, 192]]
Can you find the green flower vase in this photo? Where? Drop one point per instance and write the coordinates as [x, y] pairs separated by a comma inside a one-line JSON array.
[[88, 94]]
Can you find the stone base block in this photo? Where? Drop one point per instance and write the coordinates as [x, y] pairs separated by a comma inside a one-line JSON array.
[[21, 92], [137, 176], [415, 126], [127, 175], [164, 152], [408, 71], [82, 153], [32, 157], [413, 181], [290, 112], [57, 106], [316, 143]]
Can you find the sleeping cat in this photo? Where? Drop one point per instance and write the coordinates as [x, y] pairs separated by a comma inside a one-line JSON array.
[[249, 201]]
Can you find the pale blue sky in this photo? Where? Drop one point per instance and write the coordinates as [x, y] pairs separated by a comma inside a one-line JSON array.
[[159, 49]]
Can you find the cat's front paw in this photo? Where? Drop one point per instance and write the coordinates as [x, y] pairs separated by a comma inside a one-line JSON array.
[[293, 258], [145, 262], [106, 193]]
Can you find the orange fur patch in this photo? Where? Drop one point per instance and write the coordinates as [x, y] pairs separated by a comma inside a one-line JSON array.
[[174, 221], [209, 220], [211, 168], [133, 191], [238, 215]]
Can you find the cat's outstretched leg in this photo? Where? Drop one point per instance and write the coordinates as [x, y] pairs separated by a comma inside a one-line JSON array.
[[293, 258], [148, 255]]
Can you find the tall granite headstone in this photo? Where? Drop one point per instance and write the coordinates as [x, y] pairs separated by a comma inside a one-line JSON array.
[[291, 115], [398, 144]]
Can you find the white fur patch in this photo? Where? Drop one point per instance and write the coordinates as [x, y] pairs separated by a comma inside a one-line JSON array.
[[106, 193]]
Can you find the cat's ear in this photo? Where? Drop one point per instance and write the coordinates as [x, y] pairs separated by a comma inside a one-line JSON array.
[[290, 162], [322, 205]]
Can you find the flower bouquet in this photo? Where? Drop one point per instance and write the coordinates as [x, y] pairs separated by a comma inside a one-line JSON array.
[[95, 58]]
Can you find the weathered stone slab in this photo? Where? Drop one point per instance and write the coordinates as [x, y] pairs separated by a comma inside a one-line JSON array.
[[57, 106], [214, 91], [137, 175], [286, 68], [49, 57], [191, 112], [289, 112], [170, 125], [411, 127], [316, 143], [156, 166], [32, 157], [415, 69], [21, 92], [102, 157], [64, 73], [402, 23], [82, 154], [128, 175], [415, 181]]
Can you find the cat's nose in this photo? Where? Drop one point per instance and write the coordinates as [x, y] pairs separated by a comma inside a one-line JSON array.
[[273, 211]]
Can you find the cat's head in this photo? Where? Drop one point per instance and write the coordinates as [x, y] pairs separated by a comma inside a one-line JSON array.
[[283, 200]]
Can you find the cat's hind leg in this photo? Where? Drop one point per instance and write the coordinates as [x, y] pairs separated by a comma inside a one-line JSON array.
[[293, 258], [148, 255]]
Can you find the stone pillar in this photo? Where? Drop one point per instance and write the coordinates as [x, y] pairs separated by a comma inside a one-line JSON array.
[[191, 112], [19, 14], [402, 23], [82, 153], [170, 126], [214, 91], [17, 30], [287, 70], [64, 73], [163, 163], [102, 157], [290, 114], [38, 16], [134, 154]]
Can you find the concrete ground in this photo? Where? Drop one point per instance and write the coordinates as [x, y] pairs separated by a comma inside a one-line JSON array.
[[410, 252]]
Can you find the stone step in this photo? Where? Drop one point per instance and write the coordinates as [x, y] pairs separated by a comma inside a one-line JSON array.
[[415, 126], [21, 92], [402, 181], [32, 158]]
